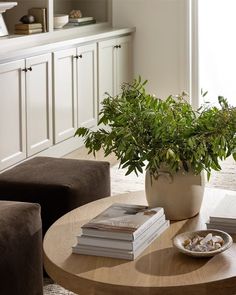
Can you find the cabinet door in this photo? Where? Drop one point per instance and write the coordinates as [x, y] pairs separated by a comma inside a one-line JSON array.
[[123, 62], [87, 85], [106, 68], [39, 103], [12, 113], [65, 103]]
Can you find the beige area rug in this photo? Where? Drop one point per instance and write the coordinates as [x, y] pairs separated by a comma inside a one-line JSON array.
[[225, 179]]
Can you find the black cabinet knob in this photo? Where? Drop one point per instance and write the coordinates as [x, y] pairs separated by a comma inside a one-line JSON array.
[[24, 70], [30, 69], [80, 56]]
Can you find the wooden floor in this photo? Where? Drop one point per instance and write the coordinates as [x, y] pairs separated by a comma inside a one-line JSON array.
[[82, 153]]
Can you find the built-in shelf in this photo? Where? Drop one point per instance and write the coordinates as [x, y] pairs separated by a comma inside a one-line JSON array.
[[99, 9]]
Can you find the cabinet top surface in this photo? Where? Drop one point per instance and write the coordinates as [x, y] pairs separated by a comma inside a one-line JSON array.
[[12, 47], [159, 266]]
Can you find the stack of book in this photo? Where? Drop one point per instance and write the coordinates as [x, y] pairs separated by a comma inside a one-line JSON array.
[[26, 29], [223, 216], [121, 231], [81, 21]]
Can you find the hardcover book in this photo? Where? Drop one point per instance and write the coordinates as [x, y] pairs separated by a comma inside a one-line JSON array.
[[89, 22], [28, 32], [225, 211], [40, 14], [28, 26], [229, 228], [119, 253], [128, 220], [81, 19], [122, 244]]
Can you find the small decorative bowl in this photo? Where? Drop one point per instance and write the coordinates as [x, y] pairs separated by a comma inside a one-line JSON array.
[[60, 20], [179, 240]]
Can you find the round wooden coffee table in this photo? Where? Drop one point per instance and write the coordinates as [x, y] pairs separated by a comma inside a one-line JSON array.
[[159, 270]]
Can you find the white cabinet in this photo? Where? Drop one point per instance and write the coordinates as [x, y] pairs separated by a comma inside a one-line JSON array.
[[81, 75], [12, 113], [25, 96], [38, 103], [114, 65], [75, 90], [87, 85], [65, 100]]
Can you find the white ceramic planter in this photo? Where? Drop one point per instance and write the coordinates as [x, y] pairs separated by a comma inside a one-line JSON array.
[[179, 194]]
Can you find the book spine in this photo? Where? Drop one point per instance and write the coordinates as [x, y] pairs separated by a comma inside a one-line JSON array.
[[126, 256], [107, 235], [79, 20], [85, 23]]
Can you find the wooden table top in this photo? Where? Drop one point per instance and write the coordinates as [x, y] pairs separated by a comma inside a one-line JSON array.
[[160, 269]]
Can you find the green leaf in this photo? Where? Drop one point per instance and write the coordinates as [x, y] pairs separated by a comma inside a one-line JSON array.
[[144, 130]]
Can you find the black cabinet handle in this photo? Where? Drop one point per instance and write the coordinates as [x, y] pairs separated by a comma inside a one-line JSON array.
[[119, 46], [30, 69], [24, 70], [78, 56]]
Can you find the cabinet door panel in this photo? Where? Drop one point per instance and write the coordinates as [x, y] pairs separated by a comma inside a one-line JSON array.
[[39, 99], [123, 62], [12, 113], [87, 85], [65, 104], [106, 68]]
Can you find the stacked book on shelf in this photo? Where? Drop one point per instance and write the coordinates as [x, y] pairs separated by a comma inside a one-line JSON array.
[[82, 21], [26, 29], [121, 231], [223, 216]]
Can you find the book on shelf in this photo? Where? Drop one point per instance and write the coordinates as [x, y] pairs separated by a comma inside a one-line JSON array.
[[28, 26], [81, 19], [89, 22], [40, 15], [28, 32], [225, 211], [122, 221], [122, 244], [120, 253]]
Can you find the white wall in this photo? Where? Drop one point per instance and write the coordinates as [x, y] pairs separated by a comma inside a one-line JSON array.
[[217, 48], [161, 41]]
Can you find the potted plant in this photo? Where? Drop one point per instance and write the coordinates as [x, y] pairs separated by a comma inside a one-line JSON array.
[[169, 139]]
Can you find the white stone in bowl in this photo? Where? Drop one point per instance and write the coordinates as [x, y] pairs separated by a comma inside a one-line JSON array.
[[179, 240]]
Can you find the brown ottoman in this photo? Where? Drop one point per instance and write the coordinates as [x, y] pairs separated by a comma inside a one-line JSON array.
[[21, 268], [58, 185]]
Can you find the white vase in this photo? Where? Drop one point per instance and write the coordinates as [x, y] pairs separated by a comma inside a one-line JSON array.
[[180, 194]]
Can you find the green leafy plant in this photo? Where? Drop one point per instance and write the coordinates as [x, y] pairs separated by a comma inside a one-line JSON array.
[[146, 132]]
